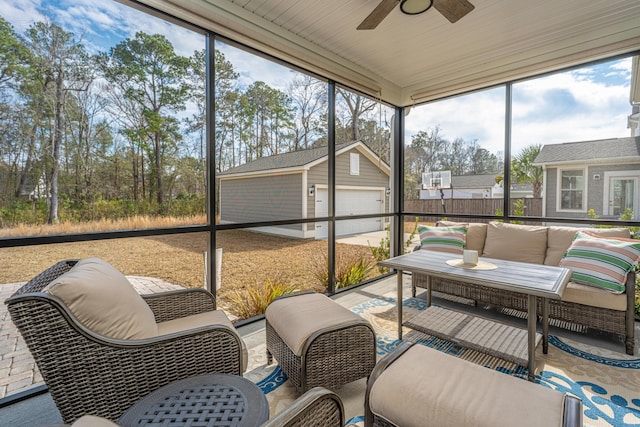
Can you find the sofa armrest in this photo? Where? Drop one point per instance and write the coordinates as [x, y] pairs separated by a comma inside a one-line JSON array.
[[630, 285], [180, 303], [630, 315]]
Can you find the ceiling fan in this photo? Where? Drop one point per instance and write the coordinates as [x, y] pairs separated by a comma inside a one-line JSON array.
[[453, 10]]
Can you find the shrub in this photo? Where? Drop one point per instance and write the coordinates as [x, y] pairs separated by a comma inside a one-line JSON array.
[[254, 300], [23, 212], [518, 210], [351, 269], [383, 250]]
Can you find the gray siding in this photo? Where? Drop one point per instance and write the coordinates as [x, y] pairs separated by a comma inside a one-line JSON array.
[[552, 196], [370, 176], [264, 198], [595, 189], [277, 197]]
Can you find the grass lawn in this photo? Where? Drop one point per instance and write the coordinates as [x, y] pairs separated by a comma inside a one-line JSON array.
[[249, 258]]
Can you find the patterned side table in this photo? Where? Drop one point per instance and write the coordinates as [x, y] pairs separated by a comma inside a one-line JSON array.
[[205, 400]]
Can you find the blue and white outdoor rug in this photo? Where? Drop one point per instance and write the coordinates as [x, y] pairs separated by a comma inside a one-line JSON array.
[[608, 382]]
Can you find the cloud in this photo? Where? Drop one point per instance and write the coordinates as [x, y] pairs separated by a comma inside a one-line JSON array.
[[99, 25], [21, 13], [479, 116], [252, 68], [584, 104], [587, 103]]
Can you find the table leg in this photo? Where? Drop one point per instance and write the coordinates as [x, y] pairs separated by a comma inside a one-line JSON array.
[[545, 325], [531, 323], [428, 291], [399, 278]]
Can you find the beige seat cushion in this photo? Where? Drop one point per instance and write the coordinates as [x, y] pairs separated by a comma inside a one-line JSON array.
[[515, 242], [476, 234], [104, 301], [594, 297], [426, 387], [93, 421], [216, 317], [296, 318], [560, 238]]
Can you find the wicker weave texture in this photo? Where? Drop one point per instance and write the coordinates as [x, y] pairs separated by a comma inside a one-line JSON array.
[[175, 304], [381, 422], [603, 319], [324, 413], [334, 357], [90, 374], [318, 407]]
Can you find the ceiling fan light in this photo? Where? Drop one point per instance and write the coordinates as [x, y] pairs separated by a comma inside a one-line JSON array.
[[415, 7]]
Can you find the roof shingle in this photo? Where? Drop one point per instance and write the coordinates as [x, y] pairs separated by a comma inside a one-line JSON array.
[[285, 160], [614, 148]]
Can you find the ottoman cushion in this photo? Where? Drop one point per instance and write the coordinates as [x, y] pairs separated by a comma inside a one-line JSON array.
[[297, 318], [447, 391]]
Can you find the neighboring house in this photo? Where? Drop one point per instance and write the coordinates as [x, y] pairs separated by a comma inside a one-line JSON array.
[[35, 191], [477, 187], [633, 121], [602, 175], [294, 185]]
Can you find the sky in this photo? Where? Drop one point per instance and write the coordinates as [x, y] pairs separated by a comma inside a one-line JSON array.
[[581, 105], [585, 104]]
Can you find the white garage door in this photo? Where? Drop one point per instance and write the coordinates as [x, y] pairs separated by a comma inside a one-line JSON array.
[[350, 202]]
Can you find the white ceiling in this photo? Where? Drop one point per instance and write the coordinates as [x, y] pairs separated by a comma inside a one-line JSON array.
[[409, 59]]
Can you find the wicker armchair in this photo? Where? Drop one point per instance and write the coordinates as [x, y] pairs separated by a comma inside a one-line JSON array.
[[89, 373], [318, 407]]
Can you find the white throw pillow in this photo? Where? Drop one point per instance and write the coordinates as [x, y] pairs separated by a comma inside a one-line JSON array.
[[104, 301]]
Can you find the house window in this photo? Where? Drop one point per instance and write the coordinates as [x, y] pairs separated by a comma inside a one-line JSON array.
[[354, 164], [572, 189]]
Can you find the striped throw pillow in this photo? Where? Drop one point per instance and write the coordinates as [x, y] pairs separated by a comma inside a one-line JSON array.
[[601, 262], [443, 239]]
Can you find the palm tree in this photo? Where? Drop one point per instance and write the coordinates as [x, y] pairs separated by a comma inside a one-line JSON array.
[[523, 170]]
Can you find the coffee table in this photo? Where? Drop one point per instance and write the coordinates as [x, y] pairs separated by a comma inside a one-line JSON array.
[[533, 280], [204, 400]]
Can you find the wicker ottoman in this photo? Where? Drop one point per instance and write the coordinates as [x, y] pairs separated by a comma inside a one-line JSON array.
[[317, 342], [415, 386]]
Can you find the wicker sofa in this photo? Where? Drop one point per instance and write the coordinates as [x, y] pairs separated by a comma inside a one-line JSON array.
[[581, 305]]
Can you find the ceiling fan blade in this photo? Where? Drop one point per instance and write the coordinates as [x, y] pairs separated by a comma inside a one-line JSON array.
[[453, 10], [379, 13]]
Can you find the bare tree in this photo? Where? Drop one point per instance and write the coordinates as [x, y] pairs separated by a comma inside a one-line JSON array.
[[63, 65], [357, 106], [309, 96]]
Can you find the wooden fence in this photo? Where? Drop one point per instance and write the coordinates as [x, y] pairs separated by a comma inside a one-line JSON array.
[[533, 207]]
